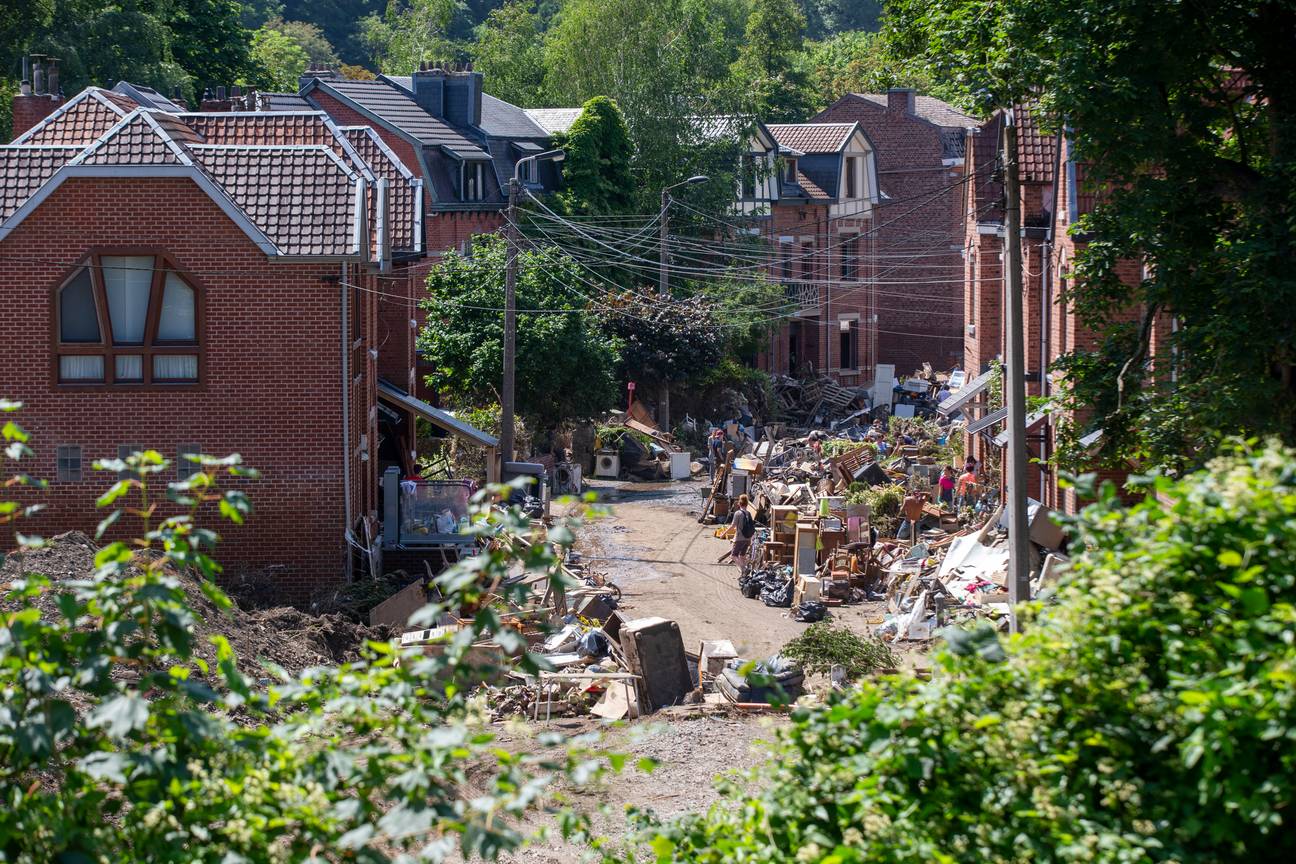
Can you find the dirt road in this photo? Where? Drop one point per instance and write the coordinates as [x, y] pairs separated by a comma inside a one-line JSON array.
[[665, 562]]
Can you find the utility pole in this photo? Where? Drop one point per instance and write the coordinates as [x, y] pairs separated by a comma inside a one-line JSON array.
[[1015, 382], [510, 325], [663, 287]]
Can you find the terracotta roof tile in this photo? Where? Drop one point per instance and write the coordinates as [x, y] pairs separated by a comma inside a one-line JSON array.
[[809, 186], [262, 128], [81, 121], [301, 197], [24, 169], [400, 189], [812, 137], [1035, 149], [134, 142], [987, 182]]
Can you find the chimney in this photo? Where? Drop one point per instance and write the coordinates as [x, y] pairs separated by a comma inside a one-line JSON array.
[[463, 98], [901, 99], [429, 87], [324, 74], [34, 100]]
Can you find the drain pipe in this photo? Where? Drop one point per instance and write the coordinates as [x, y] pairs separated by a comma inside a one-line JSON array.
[[343, 288], [1046, 285]]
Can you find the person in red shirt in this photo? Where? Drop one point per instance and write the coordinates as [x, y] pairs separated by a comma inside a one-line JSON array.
[[946, 484]]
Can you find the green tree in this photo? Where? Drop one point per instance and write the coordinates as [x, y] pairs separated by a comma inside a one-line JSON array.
[[121, 739], [827, 18], [1183, 117], [565, 365], [208, 40], [596, 170], [277, 61], [669, 74], [509, 52], [254, 13], [862, 62], [341, 22], [1146, 715], [409, 33], [770, 66], [319, 52]]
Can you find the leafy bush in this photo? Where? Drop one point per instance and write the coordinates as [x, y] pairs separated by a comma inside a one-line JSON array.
[[823, 646], [1148, 716], [119, 743]]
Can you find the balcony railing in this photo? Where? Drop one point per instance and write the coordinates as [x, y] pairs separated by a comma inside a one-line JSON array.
[[803, 296]]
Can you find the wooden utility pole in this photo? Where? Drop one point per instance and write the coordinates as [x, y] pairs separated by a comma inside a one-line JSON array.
[[663, 290], [510, 326], [1015, 380]]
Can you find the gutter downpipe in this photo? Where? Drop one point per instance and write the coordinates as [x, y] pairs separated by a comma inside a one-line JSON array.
[[346, 416], [1046, 285]]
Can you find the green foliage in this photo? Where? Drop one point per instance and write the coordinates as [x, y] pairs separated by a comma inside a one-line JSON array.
[[769, 67], [826, 18], [596, 170], [207, 40], [509, 52], [409, 33], [277, 60], [863, 62], [119, 743], [565, 364], [823, 646], [311, 39], [663, 340], [1174, 110], [341, 21], [1147, 715]]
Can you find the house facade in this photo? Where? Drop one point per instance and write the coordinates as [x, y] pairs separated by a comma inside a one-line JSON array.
[[811, 190], [919, 223], [215, 282]]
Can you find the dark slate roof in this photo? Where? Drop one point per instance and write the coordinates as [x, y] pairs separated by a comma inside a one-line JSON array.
[[146, 97], [812, 137], [81, 120], [394, 106], [301, 197], [1035, 149], [553, 120], [24, 169], [822, 170], [400, 189], [502, 119], [929, 108], [281, 102]]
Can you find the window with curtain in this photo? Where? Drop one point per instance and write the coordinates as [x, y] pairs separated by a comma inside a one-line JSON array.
[[474, 181], [127, 319]]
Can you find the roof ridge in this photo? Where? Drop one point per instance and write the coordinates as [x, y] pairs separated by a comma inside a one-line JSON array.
[[139, 114]]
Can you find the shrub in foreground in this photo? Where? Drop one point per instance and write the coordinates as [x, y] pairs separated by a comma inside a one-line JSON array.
[[1148, 716]]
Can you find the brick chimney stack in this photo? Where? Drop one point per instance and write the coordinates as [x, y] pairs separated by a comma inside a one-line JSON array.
[[901, 99], [39, 93]]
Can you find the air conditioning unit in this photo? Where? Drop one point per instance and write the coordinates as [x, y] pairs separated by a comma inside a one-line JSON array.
[[607, 465], [567, 479]]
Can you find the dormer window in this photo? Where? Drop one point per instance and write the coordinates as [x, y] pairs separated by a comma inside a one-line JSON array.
[[127, 319], [524, 169], [791, 176], [852, 184], [474, 181]]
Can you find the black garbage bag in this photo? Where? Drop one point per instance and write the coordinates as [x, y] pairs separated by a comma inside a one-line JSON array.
[[809, 612], [779, 594]]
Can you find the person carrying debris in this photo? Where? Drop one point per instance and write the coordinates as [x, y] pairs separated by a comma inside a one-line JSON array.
[[744, 529], [967, 483], [912, 511]]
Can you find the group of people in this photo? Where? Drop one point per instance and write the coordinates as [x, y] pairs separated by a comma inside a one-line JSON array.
[[952, 492]]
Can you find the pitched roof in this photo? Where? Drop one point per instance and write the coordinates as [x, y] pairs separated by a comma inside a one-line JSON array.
[[401, 192], [146, 96], [137, 140], [810, 187], [80, 120], [987, 185], [929, 108], [506, 120], [302, 197], [281, 102], [553, 120], [261, 127], [1035, 150], [812, 137], [25, 168], [395, 107]]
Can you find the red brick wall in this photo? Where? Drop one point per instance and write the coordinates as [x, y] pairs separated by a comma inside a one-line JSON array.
[[30, 110], [271, 372], [919, 236]]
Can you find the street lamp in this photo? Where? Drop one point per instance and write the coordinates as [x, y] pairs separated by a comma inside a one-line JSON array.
[[510, 302], [663, 285]]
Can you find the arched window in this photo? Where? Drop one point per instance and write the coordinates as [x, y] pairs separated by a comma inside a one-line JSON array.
[[128, 319]]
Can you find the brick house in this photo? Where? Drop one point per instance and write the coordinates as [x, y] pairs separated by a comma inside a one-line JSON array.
[[211, 282], [1054, 196], [919, 221], [813, 198]]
